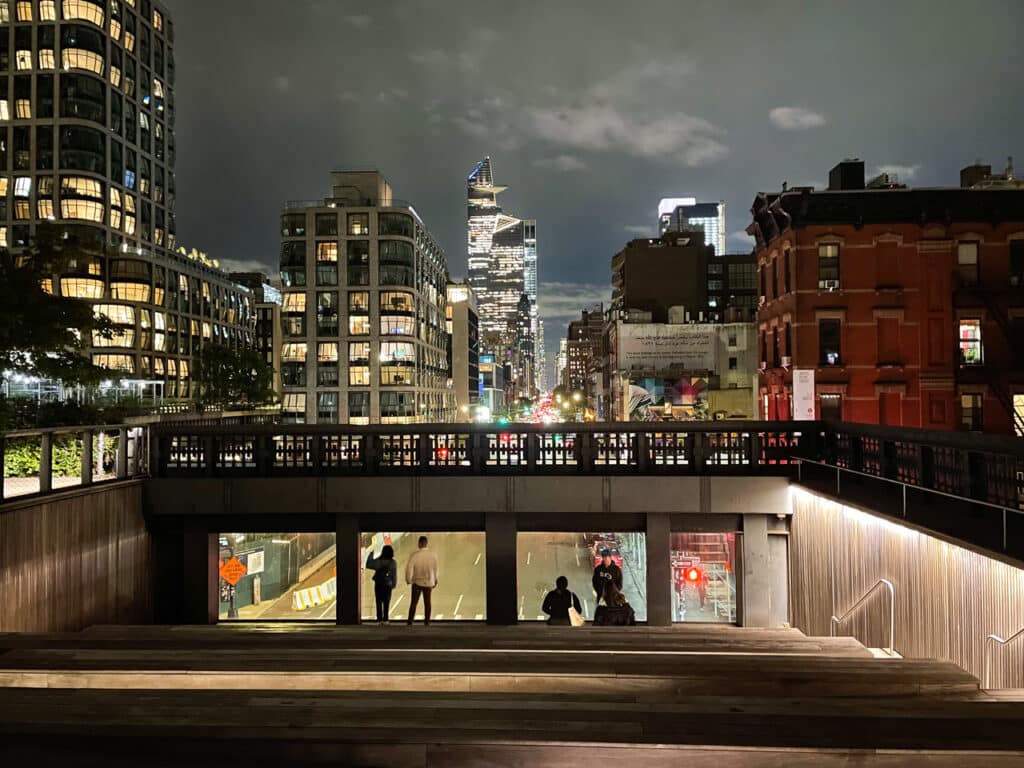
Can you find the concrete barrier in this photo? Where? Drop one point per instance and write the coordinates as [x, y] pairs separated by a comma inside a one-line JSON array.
[[303, 599]]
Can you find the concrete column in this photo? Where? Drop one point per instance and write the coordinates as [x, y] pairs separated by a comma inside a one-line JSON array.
[[659, 570], [756, 572], [349, 569], [200, 573], [502, 589]]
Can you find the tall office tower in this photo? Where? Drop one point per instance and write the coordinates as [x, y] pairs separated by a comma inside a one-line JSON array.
[[496, 257], [524, 363], [363, 309], [679, 213], [87, 143], [542, 361], [464, 329]]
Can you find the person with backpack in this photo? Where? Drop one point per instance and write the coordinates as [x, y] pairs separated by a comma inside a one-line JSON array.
[[616, 610], [385, 579], [606, 572], [558, 602]]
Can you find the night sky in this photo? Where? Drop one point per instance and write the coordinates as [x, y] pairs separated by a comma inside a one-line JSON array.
[[591, 111]]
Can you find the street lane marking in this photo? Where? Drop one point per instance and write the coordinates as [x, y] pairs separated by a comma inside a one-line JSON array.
[[479, 617], [478, 556], [529, 555], [586, 607], [577, 555], [542, 617], [394, 605], [458, 605], [329, 608], [522, 605]]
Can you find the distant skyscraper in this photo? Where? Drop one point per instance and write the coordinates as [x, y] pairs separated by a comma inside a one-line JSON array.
[[542, 359], [496, 255], [678, 213]]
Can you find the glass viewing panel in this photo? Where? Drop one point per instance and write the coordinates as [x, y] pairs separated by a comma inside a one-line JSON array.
[[289, 576], [461, 592], [543, 557], [703, 577]]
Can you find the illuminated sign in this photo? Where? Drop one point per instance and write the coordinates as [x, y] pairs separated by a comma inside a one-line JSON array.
[[202, 258]]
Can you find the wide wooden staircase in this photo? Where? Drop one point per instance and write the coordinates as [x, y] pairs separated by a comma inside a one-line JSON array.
[[488, 696]]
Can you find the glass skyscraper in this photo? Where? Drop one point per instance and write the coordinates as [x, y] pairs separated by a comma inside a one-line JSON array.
[[678, 213]]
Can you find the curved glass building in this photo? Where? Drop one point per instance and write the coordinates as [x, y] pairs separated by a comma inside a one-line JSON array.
[[87, 142]]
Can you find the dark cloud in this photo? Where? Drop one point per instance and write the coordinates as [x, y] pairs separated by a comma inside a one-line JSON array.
[[592, 110]]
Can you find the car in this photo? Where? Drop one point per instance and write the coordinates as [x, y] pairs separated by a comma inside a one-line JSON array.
[[615, 555]]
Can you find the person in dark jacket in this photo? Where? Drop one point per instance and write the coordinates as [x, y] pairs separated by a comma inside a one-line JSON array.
[[615, 612], [556, 604], [385, 579], [606, 571]]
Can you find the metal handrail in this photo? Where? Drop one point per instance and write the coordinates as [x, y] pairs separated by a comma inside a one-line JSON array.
[[891, 650], [1001, 641]]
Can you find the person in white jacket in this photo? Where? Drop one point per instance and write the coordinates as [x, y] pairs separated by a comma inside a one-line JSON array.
[[421, 573]]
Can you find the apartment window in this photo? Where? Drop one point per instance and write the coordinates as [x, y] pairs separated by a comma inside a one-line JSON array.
[[971, 416], [327, 407], [397, 325], [1017, 263], [1018, 414], [358, 353], [293, 225], [397, 375], [327, 313], [831, 407], [326, 274], [395, 224], [971, 350], [786, 280], [397, 405], [967, 264], [359, 302], [732, 364], [397, 301], [326, 224], [293, 407], [828, 266], [359, 225], [359, 407], [829, 342], [358, 325], [359, 376], [397, 352]]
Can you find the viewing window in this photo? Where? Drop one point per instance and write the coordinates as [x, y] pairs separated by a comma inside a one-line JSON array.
[[971, 414], [397, 325], [395, 224], [397, 301], [268, 576], [359, 406], [829, 342], [358, 302], [359, 376], [358, 325], [703, 577], [967, 264], [326, 225], [359, 224]]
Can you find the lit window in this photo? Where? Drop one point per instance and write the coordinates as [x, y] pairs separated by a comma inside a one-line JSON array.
[[159, 342], [22, 211], [130, 292], [971, 412], [80, 186], [5, 110], [119, 314], [397, 375], [115, 76], [84, 10], [326, 251], [158, 21], [358, 301], [397, 325], [23, 59], [828, 266], [115, 218], [47, 59], [124, 363], [123, 338], [129, 41], [1018, 410], [971, 352], [396, 301], [5, 14], [397, 352], [358, 325], [158, 91], [115, 197], [45, 209], [206, 330], [294, 302], [359, 352], [22, 186], [47, 285], [3, 237], [23, 109], [24, 10], [115, 30], [294, 402], [359, 376], [293, 353], [129, 225], [78, 58], [159, 319], [327, 352], [47, 10], [84, 210]]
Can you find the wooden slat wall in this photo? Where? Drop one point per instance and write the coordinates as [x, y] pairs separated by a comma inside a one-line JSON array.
[[948, 599], [70, 563]]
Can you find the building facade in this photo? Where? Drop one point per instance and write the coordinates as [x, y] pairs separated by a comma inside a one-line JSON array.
[[463, 327], [363, 309], [652, 275], [266, 297], [87, 149], [732, 288], [585, 350], [681, 213], [883, 304]]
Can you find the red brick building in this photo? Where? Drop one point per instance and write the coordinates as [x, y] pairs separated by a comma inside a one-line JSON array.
[[907, 304]]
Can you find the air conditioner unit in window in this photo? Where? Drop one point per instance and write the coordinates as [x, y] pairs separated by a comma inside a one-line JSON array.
[[786, 361], [829, 285]]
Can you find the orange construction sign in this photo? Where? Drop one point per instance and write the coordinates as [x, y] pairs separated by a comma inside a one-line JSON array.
[[232, 570]]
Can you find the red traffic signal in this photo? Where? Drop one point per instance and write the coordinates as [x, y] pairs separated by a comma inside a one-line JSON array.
[[692, 574]]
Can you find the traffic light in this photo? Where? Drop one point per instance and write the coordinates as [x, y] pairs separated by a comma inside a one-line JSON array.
[[693, 574]]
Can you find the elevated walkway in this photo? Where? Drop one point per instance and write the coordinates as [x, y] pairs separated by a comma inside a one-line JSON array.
[[473, 696]]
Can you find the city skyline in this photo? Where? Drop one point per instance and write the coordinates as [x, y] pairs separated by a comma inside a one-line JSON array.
[[587, 143]]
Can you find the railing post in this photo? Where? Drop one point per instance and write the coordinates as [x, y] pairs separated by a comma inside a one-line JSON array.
[[210, 455], [856, 454], [643, 455], [86, 457], [264, 455], [976, 480], [586, 451], [532, 451], [889, 460], [122, 453], [372, 452], [698, 449], [927, 458], [423, 450], [755, 448], [45, 462]]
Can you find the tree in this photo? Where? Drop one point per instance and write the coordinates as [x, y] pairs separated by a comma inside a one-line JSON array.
[[233, 376], [42, 334]]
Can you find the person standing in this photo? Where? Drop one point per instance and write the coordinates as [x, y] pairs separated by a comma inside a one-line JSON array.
[[605, 572], [557, 602], [421, 574], [385, 579]]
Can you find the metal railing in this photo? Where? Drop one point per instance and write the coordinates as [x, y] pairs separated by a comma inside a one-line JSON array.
[[43, 461], [681, 448], [988, 647], [836, 620]]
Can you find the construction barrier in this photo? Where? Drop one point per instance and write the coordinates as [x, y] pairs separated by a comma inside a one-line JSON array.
[[303, 599]]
